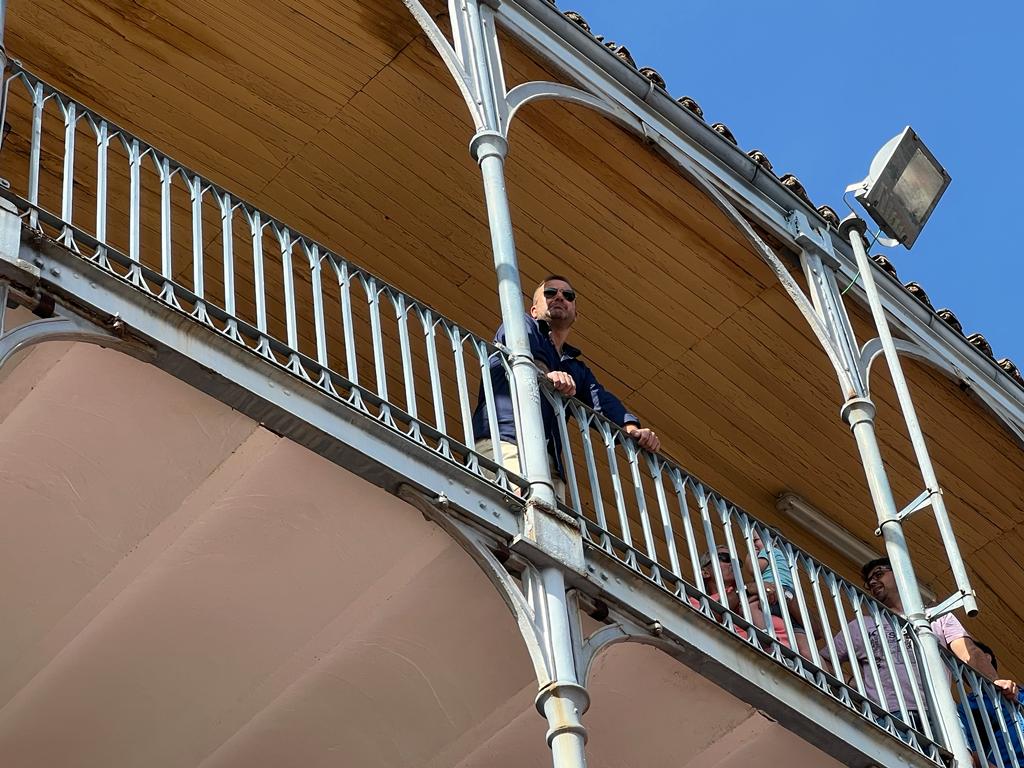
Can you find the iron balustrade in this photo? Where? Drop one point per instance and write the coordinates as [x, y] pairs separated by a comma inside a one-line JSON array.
[[136, 213], [139, 215], [648, 513]]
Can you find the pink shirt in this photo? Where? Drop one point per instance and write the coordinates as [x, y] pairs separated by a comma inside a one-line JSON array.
[[947, 628]]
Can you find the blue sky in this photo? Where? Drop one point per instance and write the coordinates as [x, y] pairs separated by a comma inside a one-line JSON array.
[[820, 88]]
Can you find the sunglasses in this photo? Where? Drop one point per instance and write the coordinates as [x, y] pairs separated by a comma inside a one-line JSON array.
[[567, 293], [723, 557], [876, 574]]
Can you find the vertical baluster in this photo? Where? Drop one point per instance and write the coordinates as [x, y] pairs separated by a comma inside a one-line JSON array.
[[560, 404], [889, 622], [373, 298], [608, 437], [814, 574], [844, 627], [1015, 734], [748, 528], [458, 350], [437, 396], [227, 215], [319, 323], [405, 348], [770, 543], [709, 537], [679, 483], [102, 152], [801, 602], [725, 517], [4, 101], [196, 191], [166, 253], [70, 111], [288, 273], [34, 167], [583, 420], [341, 268], [485, 359], [135, 212], [655, 465], [857, 603], [259, 282], [910, 658], [971, 725], [633, 457]]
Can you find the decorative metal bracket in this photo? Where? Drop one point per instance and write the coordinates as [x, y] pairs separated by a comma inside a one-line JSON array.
[[525, 602], [924, 499], [950, 604], [62, 325]]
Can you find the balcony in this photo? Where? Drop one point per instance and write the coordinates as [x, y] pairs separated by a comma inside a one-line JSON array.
[[142, 254]]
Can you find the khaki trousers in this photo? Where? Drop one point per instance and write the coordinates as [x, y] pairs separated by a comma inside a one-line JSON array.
[[510, 461]]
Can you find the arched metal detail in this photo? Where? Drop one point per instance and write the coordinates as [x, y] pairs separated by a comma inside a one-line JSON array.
[[63, 326], [622, 629], [451, 59], [521, 602], [540, 90], [873, 348]]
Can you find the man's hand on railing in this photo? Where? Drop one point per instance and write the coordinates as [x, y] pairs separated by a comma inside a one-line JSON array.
[[644, 436], [562, 382], [1008, 688]]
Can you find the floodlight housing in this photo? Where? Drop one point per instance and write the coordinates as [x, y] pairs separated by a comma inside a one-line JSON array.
[[903, 186]]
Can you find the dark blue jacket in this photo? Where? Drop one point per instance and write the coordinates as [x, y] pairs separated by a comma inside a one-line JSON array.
[[1004, 742], [588, 390]]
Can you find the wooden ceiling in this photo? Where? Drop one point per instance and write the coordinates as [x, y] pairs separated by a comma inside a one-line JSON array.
[[339, 119]]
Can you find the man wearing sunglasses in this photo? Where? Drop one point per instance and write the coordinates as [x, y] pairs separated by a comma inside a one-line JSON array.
[[868, 652], [552, 314]]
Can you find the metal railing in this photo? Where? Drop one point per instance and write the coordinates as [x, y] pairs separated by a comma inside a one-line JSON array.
[[648, 513], [185, 241], [178, 236]]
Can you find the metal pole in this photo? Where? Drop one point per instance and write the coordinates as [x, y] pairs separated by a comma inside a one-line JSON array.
[[859, 413], [490, 148], [854, 228], [563, 700], [3, 71]]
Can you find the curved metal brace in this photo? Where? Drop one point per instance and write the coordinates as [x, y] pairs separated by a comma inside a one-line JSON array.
[[709, 186], [873, 348], [60, 328], [477, 546], [540, 90], [624, 630], [523, 94], [450, 59]]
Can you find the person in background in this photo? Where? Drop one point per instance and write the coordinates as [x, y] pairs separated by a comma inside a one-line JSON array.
[[867, 651], [784, 589], [1006, 741], [729, 569]]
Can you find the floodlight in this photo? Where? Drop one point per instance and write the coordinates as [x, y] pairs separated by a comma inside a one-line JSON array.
[[903, 187]]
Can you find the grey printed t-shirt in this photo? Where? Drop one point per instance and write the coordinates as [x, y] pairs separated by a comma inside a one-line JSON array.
[[947, 628]]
